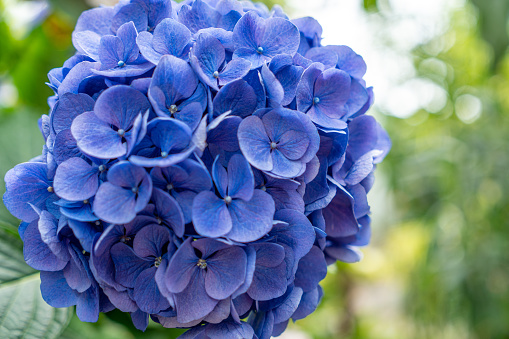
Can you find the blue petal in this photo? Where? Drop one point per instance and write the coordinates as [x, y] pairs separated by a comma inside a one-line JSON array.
[[240, 178], [308, 303], [55, 290], [249, 220], [173, 80], [96, 137], [76, 180], [115, 204], [48, 229], [85, 232], [220, 177], [255, 144], [206, 57], [37, 254], [349, 61], [210, 215], [65, 147], [76, 273], [130, 13], [87, 307], [332, 88], [325, 56], [120, 105], [68, 107], [234, 70], [26, 185]]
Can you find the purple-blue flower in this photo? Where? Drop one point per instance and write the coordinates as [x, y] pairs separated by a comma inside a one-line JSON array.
[[203, 163], [280, 142], [233, 212]]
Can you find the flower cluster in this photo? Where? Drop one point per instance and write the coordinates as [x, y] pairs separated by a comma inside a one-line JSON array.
[[203, 163]]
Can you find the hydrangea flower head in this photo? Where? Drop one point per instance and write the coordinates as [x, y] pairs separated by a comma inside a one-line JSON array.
[[203, 163]]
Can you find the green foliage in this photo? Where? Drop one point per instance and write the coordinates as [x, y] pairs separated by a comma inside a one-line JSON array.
[[23, 312]]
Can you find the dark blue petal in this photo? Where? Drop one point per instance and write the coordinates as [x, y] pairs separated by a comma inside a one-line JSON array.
[[288, 307], [181, 268], [127, 264], [339, 215], [312, 269], [76, 273], [269, 280], [150, 241], [308, 303], [193, 302], [146, 293], [169, 211], [234, 70]]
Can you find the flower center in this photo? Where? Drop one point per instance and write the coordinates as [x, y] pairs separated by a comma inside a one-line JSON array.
[[263, 188], [121, 132], [228, 199], [169, 187], [164, 154], [125, 239], [85, 201], [159, 221], [134, 190], [316, 100], [102, 168], [273, 145], [216, 74], [50, 189], [259, 50], [97, 223], [157, 262], [202, 264], [121, 64], [173, 109]]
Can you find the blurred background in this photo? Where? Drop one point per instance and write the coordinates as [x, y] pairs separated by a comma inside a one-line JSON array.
[[438, 265]]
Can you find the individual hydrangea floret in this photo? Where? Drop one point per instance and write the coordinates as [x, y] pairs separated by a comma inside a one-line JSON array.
[[203, 163]]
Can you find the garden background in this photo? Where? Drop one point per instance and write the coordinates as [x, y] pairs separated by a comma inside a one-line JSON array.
[[438, 265]]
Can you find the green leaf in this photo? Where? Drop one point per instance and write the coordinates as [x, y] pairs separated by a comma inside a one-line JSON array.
[[20, 140], [23, 312]]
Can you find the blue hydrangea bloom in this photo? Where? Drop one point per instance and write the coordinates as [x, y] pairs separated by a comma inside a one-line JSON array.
[[203, 163]]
